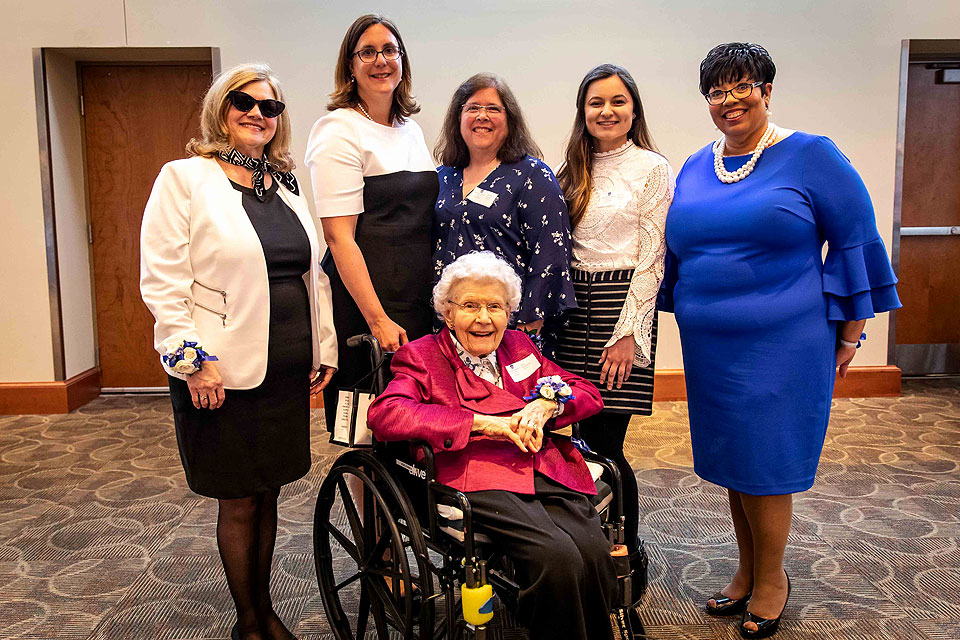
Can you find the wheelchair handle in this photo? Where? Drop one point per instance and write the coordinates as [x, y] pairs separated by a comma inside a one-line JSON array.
[[376, 358]]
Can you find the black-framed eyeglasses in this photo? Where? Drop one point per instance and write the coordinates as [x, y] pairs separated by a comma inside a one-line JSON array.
[[246, 102], [369, 54], [473, 109], [474, 308], [739, 92]]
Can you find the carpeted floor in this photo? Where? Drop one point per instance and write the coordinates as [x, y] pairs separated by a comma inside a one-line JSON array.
[[100, 538]]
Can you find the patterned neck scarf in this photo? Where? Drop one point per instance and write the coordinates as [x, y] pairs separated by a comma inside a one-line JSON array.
[[485, 367], [258, 165]]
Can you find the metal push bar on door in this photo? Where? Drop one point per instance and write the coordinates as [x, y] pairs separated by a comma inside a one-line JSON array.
[[930, 231]]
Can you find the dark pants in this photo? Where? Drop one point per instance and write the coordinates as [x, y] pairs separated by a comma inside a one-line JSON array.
[[604, 433], [562, 559]]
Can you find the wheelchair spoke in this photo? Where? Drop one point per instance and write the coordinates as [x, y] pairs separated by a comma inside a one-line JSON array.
[[347, 582], [363, 613], [356, 526], [378, 550], [344, 541], [385, 598], [379, 617]]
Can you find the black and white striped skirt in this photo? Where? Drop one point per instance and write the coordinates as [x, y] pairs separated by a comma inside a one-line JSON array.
[[600, 298]]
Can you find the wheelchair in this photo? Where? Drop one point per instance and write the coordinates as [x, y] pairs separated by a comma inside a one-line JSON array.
[[392, 545]]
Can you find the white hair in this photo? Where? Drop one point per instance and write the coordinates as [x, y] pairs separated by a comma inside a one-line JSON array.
[[477, 265]]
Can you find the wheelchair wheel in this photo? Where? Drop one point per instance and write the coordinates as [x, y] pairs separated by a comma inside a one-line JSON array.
[[370, 554]]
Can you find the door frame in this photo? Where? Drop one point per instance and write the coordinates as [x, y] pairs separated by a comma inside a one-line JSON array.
[[79, 56], [916, 359]]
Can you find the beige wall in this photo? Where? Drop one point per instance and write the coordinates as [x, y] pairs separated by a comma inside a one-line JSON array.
[[838, 64]]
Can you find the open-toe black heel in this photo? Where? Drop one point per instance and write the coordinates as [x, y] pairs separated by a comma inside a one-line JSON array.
[[766, 627], [726, 606]]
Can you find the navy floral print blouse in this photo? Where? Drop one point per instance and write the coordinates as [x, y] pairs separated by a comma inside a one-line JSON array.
[[527, 225]]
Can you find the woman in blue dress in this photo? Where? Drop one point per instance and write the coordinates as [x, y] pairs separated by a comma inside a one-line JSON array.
[[764, 322], [497, 195]]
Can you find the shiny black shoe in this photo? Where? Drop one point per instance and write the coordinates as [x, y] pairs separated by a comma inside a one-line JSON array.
[[766, 627], [235, 632], [727, 606]]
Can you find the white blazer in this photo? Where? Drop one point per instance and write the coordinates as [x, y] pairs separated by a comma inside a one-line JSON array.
[[204, 277]]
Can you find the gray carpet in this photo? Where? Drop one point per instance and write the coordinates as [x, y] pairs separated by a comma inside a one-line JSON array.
[[100, 537]]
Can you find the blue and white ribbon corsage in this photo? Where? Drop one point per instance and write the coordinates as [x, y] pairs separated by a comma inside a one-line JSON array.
[[551, 388], [187, 358]]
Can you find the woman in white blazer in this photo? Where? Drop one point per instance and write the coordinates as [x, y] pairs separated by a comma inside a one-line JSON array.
[[244, 325]]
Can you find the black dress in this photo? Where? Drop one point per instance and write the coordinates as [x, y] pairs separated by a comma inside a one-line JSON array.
[[393, 233], [260, 438]]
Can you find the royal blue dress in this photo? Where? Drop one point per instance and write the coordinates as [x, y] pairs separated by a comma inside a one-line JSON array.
[[526, 225], [758, 308]]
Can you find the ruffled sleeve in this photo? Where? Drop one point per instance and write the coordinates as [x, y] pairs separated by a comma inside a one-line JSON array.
[[547, 287], [858, 280]]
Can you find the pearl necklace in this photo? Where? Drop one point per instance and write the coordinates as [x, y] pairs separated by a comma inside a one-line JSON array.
[[729, 177], [364, 112]]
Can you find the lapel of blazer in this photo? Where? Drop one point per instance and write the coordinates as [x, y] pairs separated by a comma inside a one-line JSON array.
[[476, 393]]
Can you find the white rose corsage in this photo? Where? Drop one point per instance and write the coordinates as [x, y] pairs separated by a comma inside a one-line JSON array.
[[187, 358], [551, 388]]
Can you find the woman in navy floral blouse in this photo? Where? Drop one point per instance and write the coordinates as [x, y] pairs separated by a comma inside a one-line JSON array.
[[497, 195]]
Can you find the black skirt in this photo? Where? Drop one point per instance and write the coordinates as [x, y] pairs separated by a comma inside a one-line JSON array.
[[600, 298]]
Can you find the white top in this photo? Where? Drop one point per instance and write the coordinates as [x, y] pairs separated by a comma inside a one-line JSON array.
[[623, 228], [344, 147], [203, 274]]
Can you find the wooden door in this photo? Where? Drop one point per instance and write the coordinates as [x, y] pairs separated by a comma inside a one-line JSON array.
[[136, 118], [927, 329]]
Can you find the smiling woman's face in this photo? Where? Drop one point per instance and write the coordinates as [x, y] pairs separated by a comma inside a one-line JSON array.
[[479, 333], [741, 119], [483, 131], [250, 132]]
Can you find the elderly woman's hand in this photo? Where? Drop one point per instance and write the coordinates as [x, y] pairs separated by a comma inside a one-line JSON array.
[[497, 427], [530, 421], [206, 387]]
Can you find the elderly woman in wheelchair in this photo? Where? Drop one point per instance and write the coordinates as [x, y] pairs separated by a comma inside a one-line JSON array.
[[483, 397]]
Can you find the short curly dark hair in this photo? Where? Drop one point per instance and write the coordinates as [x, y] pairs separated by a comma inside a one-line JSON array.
[[735, 60]]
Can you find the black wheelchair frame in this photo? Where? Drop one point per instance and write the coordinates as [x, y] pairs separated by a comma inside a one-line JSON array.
[[399, 557]]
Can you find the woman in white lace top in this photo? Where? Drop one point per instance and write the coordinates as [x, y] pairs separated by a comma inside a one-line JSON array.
[[618, 190]]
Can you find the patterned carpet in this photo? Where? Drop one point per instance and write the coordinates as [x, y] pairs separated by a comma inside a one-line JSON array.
[[100, 538]]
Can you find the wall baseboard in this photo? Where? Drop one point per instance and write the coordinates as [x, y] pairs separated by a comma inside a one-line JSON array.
[[861, 382], [49, 397]]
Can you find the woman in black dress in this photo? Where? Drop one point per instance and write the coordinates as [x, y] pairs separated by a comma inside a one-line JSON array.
[[374, 186], [230, 269]]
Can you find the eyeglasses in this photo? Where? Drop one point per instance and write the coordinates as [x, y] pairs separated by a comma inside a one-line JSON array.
[[739, 92], [369, 54], [245, 102], [474, 308], [473, 109]]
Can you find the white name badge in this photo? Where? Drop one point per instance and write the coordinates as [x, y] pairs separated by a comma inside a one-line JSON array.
[[482, 197], [522, 369]]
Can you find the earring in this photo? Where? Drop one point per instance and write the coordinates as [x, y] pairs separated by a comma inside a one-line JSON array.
[[353, 78]]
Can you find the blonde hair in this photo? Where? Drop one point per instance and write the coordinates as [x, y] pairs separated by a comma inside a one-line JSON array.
[[214, 135]]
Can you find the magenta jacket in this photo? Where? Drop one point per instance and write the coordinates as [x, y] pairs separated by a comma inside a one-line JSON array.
[[433, 397]]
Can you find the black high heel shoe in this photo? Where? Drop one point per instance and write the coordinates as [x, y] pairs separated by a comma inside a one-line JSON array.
[[727, 606], [766, 627]]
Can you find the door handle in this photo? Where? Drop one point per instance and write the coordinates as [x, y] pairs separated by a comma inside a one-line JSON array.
[[930, 231]]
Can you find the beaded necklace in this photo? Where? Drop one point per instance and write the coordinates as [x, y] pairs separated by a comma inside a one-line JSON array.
[[729, 177]]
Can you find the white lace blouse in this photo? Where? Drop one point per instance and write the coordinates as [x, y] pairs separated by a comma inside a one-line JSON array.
[[623, 228]]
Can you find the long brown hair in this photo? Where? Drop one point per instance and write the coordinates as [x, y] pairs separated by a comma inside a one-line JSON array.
[[214, 136], [452, 151], [345, 94], [576, 174]]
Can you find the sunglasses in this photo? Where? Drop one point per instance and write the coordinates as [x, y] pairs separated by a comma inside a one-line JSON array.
[[245, 102]]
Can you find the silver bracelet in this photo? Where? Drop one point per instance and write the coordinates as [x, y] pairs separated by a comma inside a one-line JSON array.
[[852, 345]]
